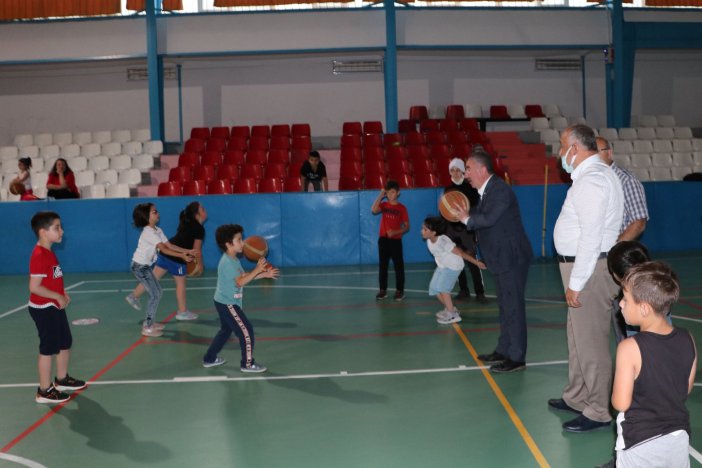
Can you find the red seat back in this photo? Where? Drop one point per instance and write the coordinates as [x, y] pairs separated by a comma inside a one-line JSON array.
[[245, 185], [195, 145], [418, 113], [278, 156], [180, 174], [219, 187], [260, 131], [533, 110], [280, 130], [251, 171], [374, 181], [292, 183], [499, 112], [220, 132], [211, 158], [352, 128], [195, 187], [349, 182], [373, 126], [189, 159], [169, 189], [241, 131], [205, 173], [301, 129], [275, 170], [270, 185], [455, 111], [257, 157], [239, 143], [202, 133], [227, 172], [426, 180], [235, 157], [216, 144]]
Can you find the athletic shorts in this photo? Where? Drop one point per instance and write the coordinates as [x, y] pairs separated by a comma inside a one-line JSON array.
[[54, 332], [172, 267], [443, 280]]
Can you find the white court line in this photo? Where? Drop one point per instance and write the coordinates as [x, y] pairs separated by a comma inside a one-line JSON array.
[[208, 378], [24, 306], [695, 454], [690, 319], [20, 460]]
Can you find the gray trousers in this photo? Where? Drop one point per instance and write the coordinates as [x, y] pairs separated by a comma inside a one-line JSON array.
[[589, 360], [668, 451]]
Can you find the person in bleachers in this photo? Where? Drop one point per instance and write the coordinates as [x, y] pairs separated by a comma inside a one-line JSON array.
[[24, 177], [313, 172], [61, 182], [635, 209]]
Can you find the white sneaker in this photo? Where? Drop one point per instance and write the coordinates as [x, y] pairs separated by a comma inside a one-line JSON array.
[[187, 315], [254, 369], [217, 362], [154, 325], [133, 301], [453, 317], [151, 331], [442, 313]]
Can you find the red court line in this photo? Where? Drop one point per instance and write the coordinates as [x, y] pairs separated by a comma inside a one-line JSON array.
[[55, 409], [690, 304]]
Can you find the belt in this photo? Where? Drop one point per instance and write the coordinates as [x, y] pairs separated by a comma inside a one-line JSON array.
[[566, 259]]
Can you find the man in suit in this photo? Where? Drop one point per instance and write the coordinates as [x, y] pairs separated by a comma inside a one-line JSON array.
[[507, 253]]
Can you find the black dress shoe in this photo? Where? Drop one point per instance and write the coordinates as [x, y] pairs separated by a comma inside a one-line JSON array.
[[560, 405], [463, 296], [507, 366], [492, 358], [584, 424], [481, 298]]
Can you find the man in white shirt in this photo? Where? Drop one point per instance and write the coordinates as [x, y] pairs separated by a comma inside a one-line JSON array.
[[587, 227]]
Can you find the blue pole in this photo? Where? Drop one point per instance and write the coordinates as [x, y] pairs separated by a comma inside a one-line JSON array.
[[154, 68], [390, 67], [584, 84], [179, 71]]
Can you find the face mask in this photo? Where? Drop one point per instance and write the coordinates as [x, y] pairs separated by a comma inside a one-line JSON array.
[[458, 181], [569, 168]]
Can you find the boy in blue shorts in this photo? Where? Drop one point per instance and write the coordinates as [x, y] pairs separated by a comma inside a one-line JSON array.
[[228, 298], [47, 306]]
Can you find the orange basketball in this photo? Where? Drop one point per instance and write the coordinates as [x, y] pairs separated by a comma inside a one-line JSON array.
[[448, 201], [16, 188], [194, 268], [255, 247]]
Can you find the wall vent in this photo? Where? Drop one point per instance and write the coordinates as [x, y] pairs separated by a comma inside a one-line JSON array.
[[141, 74], [558, 64], [356, 66]]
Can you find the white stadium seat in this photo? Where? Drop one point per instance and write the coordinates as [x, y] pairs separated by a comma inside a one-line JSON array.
[[39, 180], [647, 121], [682, 145], [8, 152], [679, 172], [548, 135], [131, 177], [662, 146], [142, 135], [516, 111], [682, 132], [622, 147], [153, 147], [622, 160], [642, 146], [682, 159], [43, 139], [102, 136], [93, 191], [70, 150], [666, 120], [609, 134], [98, 163], [120, 162], [79, 163], [661, 160], [111, 149], [628, 134], [665, 133], [143, 162], [640, 160], [50, 151], [63, 138], [118, 191], [551, 110], [31, 151], [37, 165], [660, 173], [9, 166], [82, 138], [84, 178], [90, 150], [646, 133], [106, 177], [121, 136], [131, 147], [23, 139], [641, 173], [539, 123], [558, 123]]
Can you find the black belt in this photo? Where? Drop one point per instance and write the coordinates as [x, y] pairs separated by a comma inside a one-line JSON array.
[[565, 259]]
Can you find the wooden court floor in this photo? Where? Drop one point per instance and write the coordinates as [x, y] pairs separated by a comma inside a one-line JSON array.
[[351, 382]]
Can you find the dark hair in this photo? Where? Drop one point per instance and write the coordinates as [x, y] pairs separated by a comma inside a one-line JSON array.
[[43, 220], [141, 214], [392, 185], [314, 154], [436, 224], [188, 215], [653, 283], [68, 168], [225, 233], [26, 161], [583, 135], [483, 158], [624, 255]]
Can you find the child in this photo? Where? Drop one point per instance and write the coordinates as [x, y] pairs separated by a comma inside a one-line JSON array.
[[24, 177], [449, 264], [313, 172], [394, 223], [146, 216], [228, 299], [655, 372], [47, 306], [189, 236]]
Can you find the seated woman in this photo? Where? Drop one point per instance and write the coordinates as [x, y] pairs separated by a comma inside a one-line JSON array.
[[61, 182]]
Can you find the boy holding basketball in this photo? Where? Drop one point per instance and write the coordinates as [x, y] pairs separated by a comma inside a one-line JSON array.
[[228, 298], [394, 223], [47, 306]]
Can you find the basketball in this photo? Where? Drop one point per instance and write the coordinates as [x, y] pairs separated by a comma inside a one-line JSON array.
[[255, 247], [194, 268], [17, 188], [448, 201]]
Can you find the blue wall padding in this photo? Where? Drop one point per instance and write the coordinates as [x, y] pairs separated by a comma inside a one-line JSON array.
[[304, 229]]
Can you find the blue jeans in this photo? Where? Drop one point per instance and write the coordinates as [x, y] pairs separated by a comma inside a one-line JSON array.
[[145, 276], [232, 319]]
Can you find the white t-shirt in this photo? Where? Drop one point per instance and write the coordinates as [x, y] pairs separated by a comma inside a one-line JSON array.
[[442, 252], [145, 253]]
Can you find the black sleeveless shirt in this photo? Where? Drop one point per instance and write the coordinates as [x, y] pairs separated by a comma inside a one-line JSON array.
[[660, 390]]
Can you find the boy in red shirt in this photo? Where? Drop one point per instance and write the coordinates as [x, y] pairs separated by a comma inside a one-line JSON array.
[[394, 223], [47, 303]]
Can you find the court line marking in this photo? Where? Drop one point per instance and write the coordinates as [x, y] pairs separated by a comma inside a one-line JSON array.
[[690, 319], [695, 454], [531, 444], [21, 460], [26, 304], [343, 373]]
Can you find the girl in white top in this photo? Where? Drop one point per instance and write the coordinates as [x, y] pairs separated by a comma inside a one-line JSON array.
[[24, 165], [152, 239], [449, 264]]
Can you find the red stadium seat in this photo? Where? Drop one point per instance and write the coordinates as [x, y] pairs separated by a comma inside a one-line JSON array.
[[189, 159], [350, 182], [278, 156], [373, 153], [270, 185], [238, 143], [350, 168], [439, 151], [441, 164], [429, 125], [259, 143], [220, 132], [195, 187], [372, 139], [392, 139], [169, 189], [435, 138], [417, 152], [426, 180], [406, 126], [201, 133], [206, 173], [398, 166], [349, 153], [227, 172], [469, 124], [351, 140], [194, 145], [421, 165], [245, 185], [449, 125], [257, 157], [211, 158], [280, 130], [277, 170], [418, 113], [499, 112], [295, 166], [461, 150], [219, 187], [456, 137], [251, 171], [241, 131], [301, 129], [394, 152], [414, 139], [235, 157], [301, 142], [180, 174], [533, 110], [260, 131], [280, 142], [403, 179], [373, 126], [352, 128], [292, 183], [216, 144], [455, 111], [374, 167], [374, 181]]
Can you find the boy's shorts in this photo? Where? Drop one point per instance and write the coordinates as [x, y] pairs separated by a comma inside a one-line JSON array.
[[172, 267], [54, 332], [443, 280]]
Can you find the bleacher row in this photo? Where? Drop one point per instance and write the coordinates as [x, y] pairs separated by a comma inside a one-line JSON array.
[[105, 163], [240, 159]]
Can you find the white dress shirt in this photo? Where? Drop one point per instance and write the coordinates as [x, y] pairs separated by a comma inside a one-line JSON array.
[[590, 218]]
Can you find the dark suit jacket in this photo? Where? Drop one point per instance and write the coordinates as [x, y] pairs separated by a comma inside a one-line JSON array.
[[498, 224]]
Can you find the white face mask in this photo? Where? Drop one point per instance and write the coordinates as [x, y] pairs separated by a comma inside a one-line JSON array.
[[459, 180], [569, 168]]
